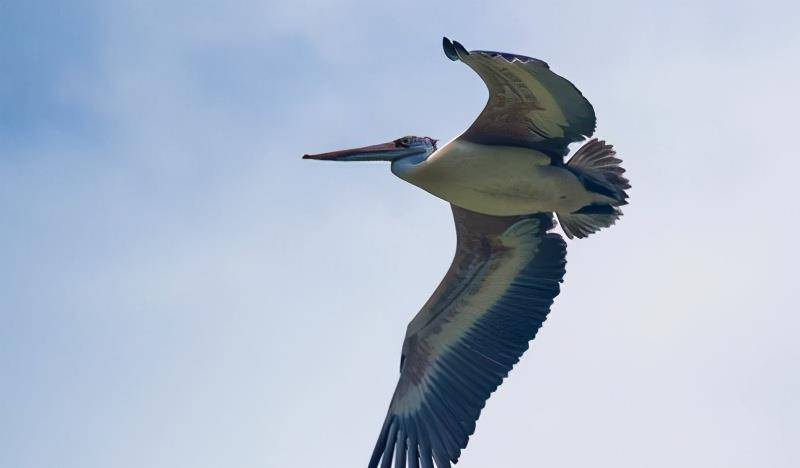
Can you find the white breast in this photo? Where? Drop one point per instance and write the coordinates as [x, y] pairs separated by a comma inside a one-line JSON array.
[[496, 180]]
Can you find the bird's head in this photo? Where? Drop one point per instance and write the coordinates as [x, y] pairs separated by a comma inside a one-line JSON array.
[[401, 148]]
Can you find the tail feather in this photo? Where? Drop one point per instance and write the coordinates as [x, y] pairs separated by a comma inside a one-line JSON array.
[[580, 225], [599, 170], [595, 162]]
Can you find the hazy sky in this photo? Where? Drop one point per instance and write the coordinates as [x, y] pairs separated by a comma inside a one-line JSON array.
[[179, 289]]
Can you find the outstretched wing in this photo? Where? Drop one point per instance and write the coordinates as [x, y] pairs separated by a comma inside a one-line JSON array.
[[529, 105], [470, 333]]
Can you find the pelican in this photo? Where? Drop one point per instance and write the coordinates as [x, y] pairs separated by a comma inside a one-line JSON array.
[[504, 178]]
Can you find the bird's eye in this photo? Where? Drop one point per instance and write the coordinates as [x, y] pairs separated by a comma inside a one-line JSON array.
[[405, 141]]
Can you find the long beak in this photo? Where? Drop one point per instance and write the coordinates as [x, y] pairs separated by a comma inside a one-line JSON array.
[[383, 152]]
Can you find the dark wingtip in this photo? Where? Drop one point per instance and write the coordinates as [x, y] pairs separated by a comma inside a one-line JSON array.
[[449, 49], [460, 50]]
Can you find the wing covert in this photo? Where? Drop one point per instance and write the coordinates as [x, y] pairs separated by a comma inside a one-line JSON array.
[[470, 333]]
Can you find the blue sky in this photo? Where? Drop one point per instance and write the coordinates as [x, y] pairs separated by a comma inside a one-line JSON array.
[[178, 288]]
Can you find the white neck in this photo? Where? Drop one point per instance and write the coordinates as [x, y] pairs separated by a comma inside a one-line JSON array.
[[405, 167]]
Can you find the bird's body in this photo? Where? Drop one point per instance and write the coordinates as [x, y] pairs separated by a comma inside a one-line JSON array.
[[504, 177], [497, 180]]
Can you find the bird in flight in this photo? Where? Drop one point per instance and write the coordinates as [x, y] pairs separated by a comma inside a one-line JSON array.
[[504, 178]]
